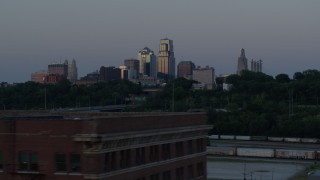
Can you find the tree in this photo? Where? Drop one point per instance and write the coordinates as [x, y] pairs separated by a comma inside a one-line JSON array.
[[282, 78], [298, 76]]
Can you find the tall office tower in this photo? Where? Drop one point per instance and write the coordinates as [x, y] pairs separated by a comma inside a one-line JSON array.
[[166, 61], [58, 69], [133, 66], [185, 69], [147, 62], [242, 62], [72, 71], [109, 73], [205, 76], [256, 65]]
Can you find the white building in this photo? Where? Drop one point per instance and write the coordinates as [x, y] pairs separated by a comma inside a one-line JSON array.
[[205, 76]]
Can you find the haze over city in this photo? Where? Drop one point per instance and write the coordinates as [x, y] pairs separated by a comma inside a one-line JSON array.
[[284, 34]]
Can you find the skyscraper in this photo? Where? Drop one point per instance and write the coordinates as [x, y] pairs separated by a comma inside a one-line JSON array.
[[109, 73], [166, 61], [147, 62], [242, 62], [185, 69], [72, 71], [58, 69], [132, 65]]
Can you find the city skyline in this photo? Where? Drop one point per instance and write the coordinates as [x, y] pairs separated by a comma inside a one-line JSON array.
[[207, 33]]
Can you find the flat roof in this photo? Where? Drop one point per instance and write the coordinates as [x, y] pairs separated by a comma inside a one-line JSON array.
[[28, 115]]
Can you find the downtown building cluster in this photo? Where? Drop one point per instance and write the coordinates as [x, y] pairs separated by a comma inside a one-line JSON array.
[[147, 70], [57, 72]]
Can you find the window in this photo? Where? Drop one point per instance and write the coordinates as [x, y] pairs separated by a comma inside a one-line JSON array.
[[179, 173], [75, 164], [190, 171], [200, 145], [140, 153], [190, 147], [166, 175], [28, 161], [142, 178], [113, 164], [125, 158], [1, 161], [154, 153], [200, 169], [166, 151], [179, 148], [154, 177], [61, 163]]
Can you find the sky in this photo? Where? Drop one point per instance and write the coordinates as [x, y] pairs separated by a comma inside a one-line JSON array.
[[285, 34]]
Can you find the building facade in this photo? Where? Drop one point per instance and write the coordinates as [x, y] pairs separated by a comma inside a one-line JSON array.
[[205, 76], [72, 71], [58, 69], [115, 146], [185, 69], [166, 60], [147, 63], [133, 66], [256, 65], [242, 62], [39, 77], [109, 73]]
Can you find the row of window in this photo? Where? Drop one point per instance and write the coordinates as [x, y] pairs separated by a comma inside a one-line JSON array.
[[123, 159], [28, 161], [179, 173]]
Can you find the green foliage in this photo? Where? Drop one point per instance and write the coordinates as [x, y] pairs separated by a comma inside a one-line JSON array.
[[32, 95], [257, 104]]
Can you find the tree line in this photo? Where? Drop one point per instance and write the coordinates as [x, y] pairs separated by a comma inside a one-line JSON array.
[[256, 104]]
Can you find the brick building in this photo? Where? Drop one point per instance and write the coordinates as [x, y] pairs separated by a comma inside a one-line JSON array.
[[72, 146], [109, 73], [60, 69]]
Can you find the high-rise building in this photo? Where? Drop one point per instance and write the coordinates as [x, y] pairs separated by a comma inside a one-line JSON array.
[[72, 71], [147, 62], [242, 62], [133, 66], [256, 65], [205, 76], [109, 73], [90, 78], [185, 69], [124, 72], [58, 69], [39, 77], [166, 61]]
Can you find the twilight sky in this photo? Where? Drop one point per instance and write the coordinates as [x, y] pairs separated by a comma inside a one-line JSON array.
[[285, 34]]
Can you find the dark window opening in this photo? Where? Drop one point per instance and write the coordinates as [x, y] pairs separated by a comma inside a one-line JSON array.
[[61, 162], [166, 151], [75, 163], [28, 161]]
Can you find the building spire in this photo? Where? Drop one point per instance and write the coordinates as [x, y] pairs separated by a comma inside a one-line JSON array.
[[242, 53]]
